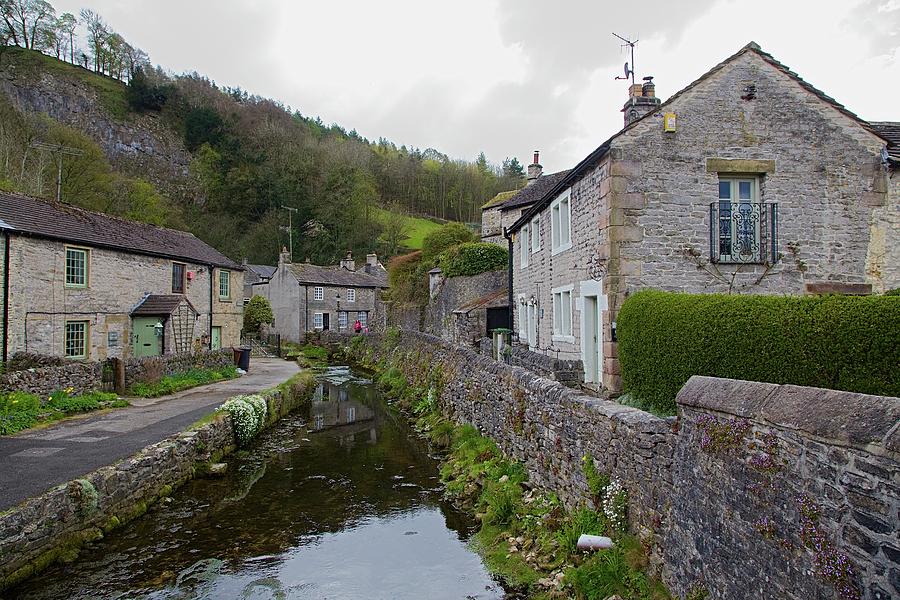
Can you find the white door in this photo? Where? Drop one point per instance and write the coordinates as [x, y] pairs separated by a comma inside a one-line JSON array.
[[592, 341]]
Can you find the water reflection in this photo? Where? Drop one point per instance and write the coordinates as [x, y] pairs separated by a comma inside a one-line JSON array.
[[343, 504]]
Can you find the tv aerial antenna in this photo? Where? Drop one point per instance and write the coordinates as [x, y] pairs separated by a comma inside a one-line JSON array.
[[629, 72]]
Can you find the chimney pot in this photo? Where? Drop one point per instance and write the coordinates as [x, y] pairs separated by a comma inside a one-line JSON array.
[[534, 169]]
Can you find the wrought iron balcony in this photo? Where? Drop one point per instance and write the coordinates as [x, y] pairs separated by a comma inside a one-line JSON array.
[[743, 232]]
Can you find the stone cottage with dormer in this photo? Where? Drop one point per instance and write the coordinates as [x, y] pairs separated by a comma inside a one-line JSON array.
[[85, 285], [307, 297], [749, 180]]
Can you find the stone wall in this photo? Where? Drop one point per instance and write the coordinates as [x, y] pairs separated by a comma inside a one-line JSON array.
[[455, 292], [754, 490], [149, 369], [81, 376], [543, 424], [775, 484], [51, 527], [567, 372]]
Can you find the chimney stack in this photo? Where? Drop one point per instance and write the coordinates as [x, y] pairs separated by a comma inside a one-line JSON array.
[[372, 260], [348, 263], [641, 100], [534, 169], [284, 258]]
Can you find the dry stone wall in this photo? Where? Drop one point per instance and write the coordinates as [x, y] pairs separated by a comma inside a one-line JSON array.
[[754, 491], [151, 368], [82, 377]]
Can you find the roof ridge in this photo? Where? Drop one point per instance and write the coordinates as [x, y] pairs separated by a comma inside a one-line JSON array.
[[66, 207]]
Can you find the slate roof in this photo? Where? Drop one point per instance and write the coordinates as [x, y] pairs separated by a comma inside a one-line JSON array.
[[602, 149], [47, 219], [890, 132], [265, 271], [337, 276], [160, 304], [530, 194]]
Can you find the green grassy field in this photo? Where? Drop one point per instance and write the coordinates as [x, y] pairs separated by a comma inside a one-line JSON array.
[[418, 228]]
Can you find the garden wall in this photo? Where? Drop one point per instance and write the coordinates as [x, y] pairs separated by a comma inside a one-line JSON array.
[[81, 376], [754, 491], [52, 527], [152, 368], [778, 485]]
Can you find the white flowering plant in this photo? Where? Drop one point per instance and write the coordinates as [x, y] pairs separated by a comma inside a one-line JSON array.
[[248, 415], [615, 506]]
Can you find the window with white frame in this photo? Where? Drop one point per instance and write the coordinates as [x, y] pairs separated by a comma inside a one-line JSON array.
[[363, 318], [351, 295], [524, 235], [523, 318], [535, 234], [318, 293], [224, 284], [76, 336], [342, 320], [742, 228], [561, 223], [317, 321], [562, 313]]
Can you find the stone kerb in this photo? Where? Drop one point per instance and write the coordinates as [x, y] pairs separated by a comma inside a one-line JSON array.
[[802, 478]]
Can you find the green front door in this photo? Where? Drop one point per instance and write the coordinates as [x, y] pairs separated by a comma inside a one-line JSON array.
[[216, 338], [146, 342]]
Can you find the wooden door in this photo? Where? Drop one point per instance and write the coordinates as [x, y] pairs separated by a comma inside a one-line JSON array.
[[145, 342]]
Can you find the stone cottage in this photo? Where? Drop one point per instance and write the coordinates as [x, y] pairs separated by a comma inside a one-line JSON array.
[[85, 285], [501, 211], [307, 297], [254, 274], [749, 180]]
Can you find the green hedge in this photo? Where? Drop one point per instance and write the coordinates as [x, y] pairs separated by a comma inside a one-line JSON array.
[[473, 258], [837, 342]]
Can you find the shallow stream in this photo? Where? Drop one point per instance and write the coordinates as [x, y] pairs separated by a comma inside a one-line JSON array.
[[342, 503]]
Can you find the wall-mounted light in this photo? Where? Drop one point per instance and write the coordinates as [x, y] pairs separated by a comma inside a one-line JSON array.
[[158, 329]]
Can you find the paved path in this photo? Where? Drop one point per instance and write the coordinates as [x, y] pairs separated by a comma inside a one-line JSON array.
[[34, 461]]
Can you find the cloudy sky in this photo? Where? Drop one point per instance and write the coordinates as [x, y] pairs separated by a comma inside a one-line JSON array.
[[504, 76]]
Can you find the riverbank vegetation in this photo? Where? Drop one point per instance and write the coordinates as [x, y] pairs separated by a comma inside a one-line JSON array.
[[20, 410], [170, 384], [527, 536]]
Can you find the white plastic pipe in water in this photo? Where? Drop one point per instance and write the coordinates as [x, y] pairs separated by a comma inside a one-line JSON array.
[[594, 542]]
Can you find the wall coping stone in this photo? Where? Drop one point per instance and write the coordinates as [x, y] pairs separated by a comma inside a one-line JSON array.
[[843, 418]]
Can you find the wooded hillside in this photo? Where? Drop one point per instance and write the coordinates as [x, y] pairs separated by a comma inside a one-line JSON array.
[[221, 162]]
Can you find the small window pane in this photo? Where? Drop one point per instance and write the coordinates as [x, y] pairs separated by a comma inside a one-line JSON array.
[[725, 189], [318, 293], [745, 188], [342, 320], [363, 318]]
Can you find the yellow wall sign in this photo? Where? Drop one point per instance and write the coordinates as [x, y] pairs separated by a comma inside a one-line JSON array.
[[669, 122]]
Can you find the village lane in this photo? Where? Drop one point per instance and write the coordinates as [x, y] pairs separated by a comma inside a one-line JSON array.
[[34, 461]]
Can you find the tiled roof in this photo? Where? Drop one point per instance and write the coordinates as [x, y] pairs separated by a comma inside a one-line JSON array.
[[891, 132], [530, 194], [499, 199], [160, 304], [43, 218], [262, 270], [592, 158], [337, 276]]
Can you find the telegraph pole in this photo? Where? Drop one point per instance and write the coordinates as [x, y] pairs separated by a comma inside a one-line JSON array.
[[60, 151], [291, 211]]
